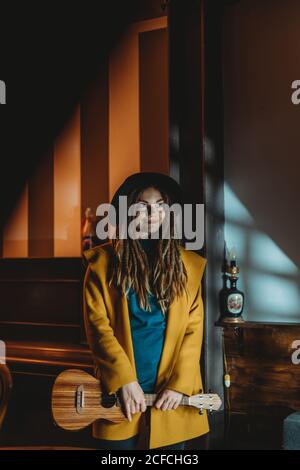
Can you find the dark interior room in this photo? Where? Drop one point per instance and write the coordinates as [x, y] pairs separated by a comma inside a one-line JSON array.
[[205, 92]]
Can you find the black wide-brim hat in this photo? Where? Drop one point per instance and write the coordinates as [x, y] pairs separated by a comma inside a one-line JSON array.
[[142, 180]]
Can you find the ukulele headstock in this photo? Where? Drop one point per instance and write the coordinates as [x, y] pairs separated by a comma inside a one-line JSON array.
[[206, 401]]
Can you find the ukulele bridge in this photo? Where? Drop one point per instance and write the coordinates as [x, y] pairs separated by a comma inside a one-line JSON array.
[[80, 399]]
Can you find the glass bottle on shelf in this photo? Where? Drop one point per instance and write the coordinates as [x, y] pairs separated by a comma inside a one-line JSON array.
[[231, 299], [88, 232]]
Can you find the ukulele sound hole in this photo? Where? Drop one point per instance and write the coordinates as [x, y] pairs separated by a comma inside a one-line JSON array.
[[107, 401]]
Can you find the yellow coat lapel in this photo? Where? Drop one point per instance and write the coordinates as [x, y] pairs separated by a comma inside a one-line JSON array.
[[177, 317]]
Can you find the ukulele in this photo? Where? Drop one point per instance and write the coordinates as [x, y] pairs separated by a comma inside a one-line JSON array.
[[77, 401]]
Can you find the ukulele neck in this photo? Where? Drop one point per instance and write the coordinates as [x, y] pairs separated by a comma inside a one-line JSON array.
[[150, 399]]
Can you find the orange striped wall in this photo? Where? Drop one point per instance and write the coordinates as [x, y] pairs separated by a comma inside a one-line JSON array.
[[123, 154], [124, 136], [15, 234], [67, 208]]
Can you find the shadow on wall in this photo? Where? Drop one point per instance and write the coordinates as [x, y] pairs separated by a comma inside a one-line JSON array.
[[261, 153], [268, 277]]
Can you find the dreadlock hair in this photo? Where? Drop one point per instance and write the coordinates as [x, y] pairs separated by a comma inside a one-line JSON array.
[[163, 274]]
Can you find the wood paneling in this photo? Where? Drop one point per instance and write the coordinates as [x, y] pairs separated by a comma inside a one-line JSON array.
[[59, 299], [15, 234], [124, 118], [263, 377], [41, 299], [41, 268], [67, 199], [40, 208], [94, 142], [120, 127], [41, 324], [264, 381], [123, 111], [41, 312], [47, 357], [186, 98], [148, 9], [153, 93]]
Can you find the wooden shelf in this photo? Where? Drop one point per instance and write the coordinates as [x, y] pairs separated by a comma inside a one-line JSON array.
[[47, 358], [255, 324]]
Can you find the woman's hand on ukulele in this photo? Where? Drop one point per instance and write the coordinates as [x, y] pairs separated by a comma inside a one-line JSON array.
[[168, 400], [133, 399]]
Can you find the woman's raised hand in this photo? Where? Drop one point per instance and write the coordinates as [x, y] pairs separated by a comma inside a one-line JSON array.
[[133, 399]]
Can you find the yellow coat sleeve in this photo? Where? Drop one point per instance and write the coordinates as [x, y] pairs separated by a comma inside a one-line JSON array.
[[187, 365], [110, 358]]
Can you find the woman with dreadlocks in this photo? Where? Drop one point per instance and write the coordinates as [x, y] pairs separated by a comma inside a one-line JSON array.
[[144, 320]]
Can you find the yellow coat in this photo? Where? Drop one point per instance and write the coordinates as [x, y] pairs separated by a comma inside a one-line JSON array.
[[109, 335]]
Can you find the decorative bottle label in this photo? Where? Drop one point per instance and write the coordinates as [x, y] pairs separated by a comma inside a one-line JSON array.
[[235, 303]]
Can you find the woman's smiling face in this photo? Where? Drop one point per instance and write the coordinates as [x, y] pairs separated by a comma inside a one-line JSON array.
[[150, 210]]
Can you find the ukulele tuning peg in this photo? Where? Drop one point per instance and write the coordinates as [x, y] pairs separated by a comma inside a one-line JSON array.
[[201, 411]]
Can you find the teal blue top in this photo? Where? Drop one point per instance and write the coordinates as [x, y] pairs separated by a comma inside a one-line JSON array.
[[148, 334]]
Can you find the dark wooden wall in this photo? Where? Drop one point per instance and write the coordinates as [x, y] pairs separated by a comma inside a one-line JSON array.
[[41, 325], [265, 383]]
